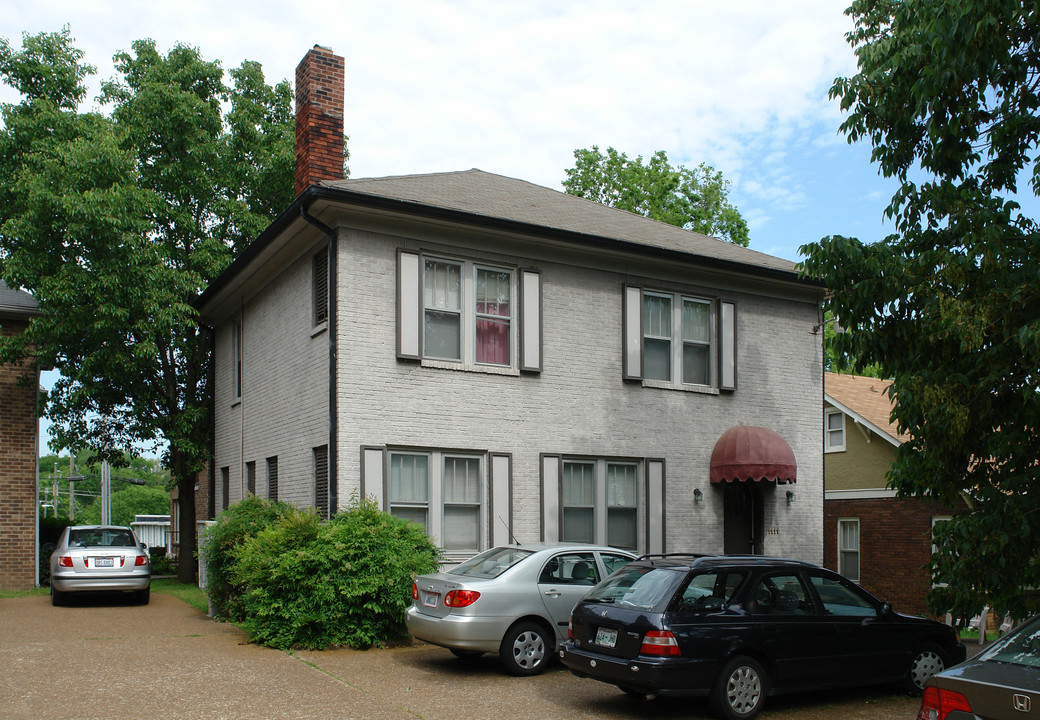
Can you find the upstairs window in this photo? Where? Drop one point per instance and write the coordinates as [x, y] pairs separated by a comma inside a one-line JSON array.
[[834, 429]]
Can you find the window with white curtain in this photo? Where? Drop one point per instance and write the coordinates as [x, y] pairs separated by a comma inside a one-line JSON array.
[[848, 548], [445, 493], [667, 316], [468, 312], [599, 502]]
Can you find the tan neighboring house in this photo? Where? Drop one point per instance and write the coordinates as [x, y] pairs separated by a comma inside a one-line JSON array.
[[19, 450], [870, 536]]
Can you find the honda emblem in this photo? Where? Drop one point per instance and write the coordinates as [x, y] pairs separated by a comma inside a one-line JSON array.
[[1021, 703]]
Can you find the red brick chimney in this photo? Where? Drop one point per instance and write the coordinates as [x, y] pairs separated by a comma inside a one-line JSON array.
[[319, 118]]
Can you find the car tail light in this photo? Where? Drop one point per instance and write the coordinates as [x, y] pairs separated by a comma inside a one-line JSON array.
[[140, 560], [460, 598], [415, 591], [659, 642], [937, 704], [65, 561]]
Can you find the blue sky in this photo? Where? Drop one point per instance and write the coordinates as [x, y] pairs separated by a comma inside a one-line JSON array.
[[515, 87]]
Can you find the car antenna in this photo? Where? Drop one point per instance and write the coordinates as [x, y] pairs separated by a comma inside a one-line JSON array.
[[508, 530]]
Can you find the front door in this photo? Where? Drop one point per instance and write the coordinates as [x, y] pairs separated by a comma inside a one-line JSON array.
[[742, 505]]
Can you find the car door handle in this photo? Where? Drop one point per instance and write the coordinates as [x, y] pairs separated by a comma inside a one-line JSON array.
[[553, 593]]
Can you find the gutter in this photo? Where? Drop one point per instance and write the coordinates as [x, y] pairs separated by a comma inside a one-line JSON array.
[[333, 237]]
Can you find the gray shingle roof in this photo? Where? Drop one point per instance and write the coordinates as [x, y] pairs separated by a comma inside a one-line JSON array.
[[16, 303], [488, 195]]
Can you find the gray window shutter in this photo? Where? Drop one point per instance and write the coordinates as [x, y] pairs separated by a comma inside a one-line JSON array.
[[409, 304], [727, 345], [655, 524], [550, 498], [500, 508], [372, 475], [632, 330], [530, 321]]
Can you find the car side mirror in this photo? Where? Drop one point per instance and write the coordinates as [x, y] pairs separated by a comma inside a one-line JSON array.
[[886, 608], [144, 546]]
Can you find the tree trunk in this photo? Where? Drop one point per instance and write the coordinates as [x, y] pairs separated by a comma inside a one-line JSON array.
[[186, 562]]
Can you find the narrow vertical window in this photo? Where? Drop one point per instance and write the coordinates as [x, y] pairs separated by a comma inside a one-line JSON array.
[[251, 478], [321, 480], [848, 549], [696, 337], [461, 483], [578, 499], [657, 337], [622, 506], [409, 489], [442, 314], [225, 487], [494, 316], [272, 477], [320, 283]]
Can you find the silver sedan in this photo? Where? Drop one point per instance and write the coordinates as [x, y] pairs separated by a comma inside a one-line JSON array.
[[90, 558], [514, 600]]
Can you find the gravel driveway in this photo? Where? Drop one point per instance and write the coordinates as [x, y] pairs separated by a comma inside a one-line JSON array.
[[107, 661]]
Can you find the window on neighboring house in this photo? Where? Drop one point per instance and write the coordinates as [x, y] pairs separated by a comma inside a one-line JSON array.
[[599, 501], [251, 478], [320, 284], [466, 312], [321, 480], [443, 492], [236, 349], [225, 487], [679, 339], [848, 548], [272, 477], [834, 430]]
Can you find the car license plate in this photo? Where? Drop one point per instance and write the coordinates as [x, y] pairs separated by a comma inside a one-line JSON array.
[[104, 562], [430, 599], [607, 637]]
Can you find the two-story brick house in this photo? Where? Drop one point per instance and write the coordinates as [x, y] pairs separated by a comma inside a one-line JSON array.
[[497, 360]]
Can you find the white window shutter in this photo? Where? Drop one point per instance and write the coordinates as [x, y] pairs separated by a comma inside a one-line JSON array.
[[632, 331], [550, 498], [655, 524], [727, 345], [500, 508], [530, 321], [372, 475], [409, 304]]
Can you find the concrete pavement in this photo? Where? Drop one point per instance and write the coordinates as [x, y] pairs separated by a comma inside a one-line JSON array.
[[110, 661]]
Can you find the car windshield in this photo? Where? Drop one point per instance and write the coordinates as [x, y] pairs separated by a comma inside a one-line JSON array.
[[98, 537], [1020, 648], [491, 563], [636, 585]]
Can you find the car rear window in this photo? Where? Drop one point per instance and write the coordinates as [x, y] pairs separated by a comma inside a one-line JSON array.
[[491, 563], [637, 586], [1022, 648], [100, 538]]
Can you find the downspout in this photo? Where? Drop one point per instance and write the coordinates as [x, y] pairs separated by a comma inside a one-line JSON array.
[[211, 502], [333, 365]]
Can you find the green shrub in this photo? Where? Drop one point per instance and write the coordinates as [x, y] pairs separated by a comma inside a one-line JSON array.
[[233, 527], [312, 584]]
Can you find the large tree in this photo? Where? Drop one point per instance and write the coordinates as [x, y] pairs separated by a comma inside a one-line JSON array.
[[695, 199], [116, 220], [948, 93]]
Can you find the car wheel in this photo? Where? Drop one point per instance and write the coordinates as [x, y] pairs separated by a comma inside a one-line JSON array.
[[142, 596], [466, 654], [525, 649], [740, 689], [927, 661], [57, 597]]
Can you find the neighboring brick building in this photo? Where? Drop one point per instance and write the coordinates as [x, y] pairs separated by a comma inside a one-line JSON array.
[[19, 449], [883, 542], [497, 360]]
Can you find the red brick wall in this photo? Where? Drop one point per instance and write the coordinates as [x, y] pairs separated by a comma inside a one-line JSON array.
[[895, 546], [18, 428], [319, 118]]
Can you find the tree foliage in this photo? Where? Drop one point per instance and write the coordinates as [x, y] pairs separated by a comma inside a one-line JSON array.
[[694, 199], [116, 221], [949, 305]]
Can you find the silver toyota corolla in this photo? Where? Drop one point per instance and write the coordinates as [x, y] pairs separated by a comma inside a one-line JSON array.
[[92, 558], [514, 600]]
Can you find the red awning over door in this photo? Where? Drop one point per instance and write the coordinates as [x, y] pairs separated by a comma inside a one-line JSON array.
[[746, 453]]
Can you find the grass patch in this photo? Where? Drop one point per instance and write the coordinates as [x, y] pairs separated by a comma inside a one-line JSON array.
[[191, 594], [24, 593]]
